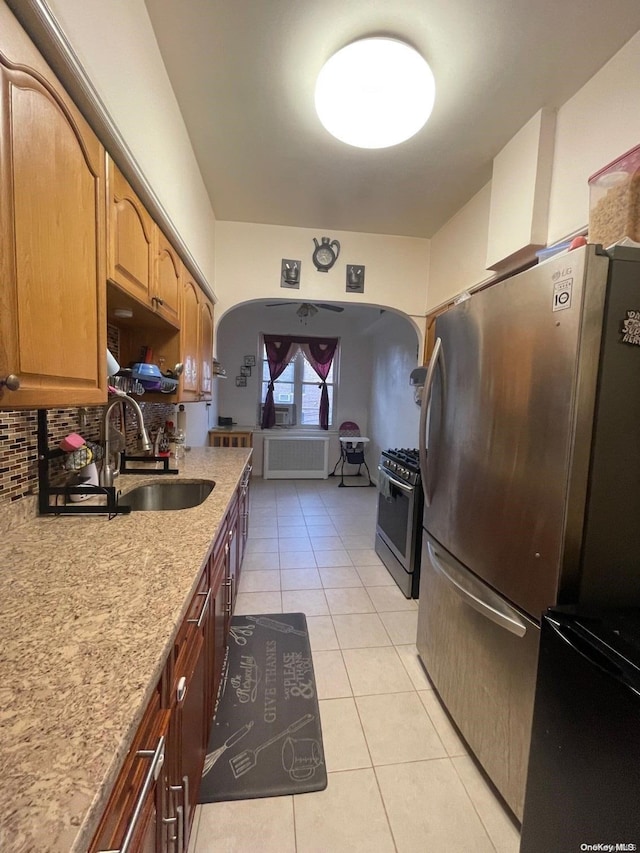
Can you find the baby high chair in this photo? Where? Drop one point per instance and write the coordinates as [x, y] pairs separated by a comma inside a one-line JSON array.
[[352, 446]]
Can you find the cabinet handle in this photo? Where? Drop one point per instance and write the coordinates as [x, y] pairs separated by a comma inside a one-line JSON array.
[[157, 760], [198, 622], [187, 804], [245, 523], [157, 300], [230, 535], [229, 584], [10, 382], [179, 818], [181, 689]]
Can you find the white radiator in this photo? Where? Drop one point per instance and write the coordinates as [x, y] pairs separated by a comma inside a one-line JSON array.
[[296, 457]]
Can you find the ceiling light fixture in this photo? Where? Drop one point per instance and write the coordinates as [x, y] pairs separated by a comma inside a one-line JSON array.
[[306, 311], [374, 93]]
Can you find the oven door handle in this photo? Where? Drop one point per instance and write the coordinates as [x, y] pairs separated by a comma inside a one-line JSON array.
[[398, 483]]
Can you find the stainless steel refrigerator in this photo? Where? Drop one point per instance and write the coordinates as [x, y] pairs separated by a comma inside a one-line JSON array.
[[531, 417]]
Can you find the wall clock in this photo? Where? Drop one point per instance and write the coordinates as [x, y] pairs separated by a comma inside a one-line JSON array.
[[325, 254]]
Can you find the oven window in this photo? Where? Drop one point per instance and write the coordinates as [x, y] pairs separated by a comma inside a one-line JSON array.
[[394, 519]]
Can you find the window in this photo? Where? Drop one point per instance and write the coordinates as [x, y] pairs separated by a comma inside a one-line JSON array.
[[299, 384]]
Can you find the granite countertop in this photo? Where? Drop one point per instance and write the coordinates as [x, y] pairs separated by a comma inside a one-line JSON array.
[[88, 613]]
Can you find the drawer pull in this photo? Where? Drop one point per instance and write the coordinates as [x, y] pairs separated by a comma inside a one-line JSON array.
[[229, 584], [157, 756], [179, 818], [181, 689], [198, 622]]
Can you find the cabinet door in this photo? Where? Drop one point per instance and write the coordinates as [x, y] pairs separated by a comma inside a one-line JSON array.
[[189, 704], [216, 649], [206, 348], [52, 236], [135, 808], [233, 564], [190, 340], [165, 288], [243, 516], [130, 237]]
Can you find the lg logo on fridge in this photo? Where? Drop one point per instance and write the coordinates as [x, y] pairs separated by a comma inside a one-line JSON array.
[[562, 294]]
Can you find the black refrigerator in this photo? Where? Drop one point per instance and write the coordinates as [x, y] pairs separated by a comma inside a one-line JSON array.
[[583, 780]]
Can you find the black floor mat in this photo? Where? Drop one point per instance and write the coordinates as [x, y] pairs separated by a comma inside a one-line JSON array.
[[266, 739]]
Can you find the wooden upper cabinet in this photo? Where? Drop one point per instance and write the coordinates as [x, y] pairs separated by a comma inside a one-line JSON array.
[[196, 332], [166, 285], [52, 236], [206, 348], [129, 237], [190, 339]]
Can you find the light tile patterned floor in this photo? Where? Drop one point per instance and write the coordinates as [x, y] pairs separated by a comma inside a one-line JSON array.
[[400, 778]]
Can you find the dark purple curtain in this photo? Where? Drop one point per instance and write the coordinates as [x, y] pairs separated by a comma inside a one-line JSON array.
[[320, 353], [278, 348]]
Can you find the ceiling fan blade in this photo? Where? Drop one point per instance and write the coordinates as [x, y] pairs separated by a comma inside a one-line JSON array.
[[329, 307]]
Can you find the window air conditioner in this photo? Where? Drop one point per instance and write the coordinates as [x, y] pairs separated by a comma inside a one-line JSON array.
[[285, 415]]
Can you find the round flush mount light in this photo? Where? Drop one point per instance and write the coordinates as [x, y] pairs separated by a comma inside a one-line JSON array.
[[375, 93]]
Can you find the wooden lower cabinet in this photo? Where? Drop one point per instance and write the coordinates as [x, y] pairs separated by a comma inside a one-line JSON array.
[[188, 702], [153, 802], [243, 513], [219, 626], [133, 819]]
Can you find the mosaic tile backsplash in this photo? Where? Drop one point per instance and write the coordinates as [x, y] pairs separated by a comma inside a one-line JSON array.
[[19, 438]]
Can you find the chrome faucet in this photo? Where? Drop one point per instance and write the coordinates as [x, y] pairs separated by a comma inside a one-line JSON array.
[[107, 473]]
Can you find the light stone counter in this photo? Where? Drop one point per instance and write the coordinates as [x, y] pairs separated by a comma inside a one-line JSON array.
[[89, 609]]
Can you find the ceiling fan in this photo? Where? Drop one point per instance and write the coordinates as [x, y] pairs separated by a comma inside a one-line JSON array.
[[307, 309]]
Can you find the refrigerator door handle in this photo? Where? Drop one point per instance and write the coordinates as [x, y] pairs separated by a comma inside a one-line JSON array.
[[594, 655], [477, 595], [436, 355]]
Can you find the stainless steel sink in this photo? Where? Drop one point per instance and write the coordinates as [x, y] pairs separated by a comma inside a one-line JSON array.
[[167, 494]]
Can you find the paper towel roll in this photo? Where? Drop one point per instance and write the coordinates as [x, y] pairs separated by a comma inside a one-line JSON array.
[[112, 365]]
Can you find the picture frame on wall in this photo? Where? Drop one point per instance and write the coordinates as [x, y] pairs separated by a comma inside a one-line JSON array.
[[245, 371], [249, 361], [241, 380]]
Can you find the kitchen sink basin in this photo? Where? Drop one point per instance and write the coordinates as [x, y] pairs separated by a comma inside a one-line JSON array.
[[179, 494]]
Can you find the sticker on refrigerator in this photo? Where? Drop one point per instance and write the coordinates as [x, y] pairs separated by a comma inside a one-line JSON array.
[[562, 294], [631, 328]]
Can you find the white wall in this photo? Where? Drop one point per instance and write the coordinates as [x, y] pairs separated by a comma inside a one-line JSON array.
[[116, 46], [600, 122], [248, 258], [594, 127], [393, 415], [377, 355], [239, 335], [459, 250]]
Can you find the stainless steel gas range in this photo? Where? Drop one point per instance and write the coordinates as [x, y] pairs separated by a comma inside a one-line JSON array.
[[399, 521]]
